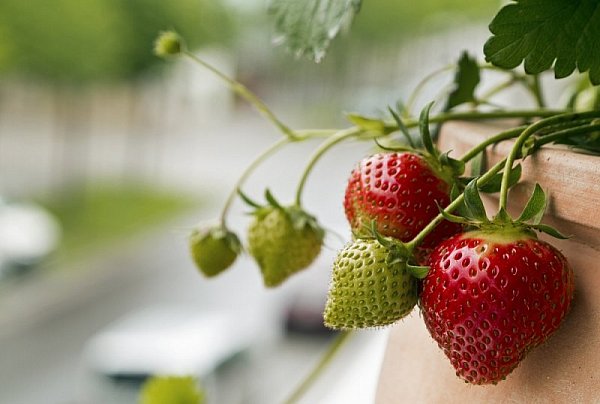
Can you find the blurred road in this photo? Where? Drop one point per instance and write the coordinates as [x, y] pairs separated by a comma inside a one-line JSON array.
[[42, 342]]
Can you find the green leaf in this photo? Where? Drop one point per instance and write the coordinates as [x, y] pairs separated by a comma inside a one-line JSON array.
[[535, 207], [495, 183], [478, 164], [465, 82], [454, 192], [419, 272], [473, 202], [549, 230], [543, 33], [424, 128], [171, 389], [307, 27]]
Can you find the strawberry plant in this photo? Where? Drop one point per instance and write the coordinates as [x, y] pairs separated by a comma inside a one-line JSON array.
[[489, 290]]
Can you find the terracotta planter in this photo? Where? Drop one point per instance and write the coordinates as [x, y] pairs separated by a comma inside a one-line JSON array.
[[567, 367]]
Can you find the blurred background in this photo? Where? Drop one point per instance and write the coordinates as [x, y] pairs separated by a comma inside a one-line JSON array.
[[109, 156]]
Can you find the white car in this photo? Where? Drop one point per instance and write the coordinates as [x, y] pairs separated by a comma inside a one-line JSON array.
[[168, 341], [28, 234]]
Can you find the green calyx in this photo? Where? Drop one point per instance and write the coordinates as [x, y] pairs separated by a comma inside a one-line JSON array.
[[168, 43], [443, 166], [214, 249], [399, 252], [473, 214], [282, 240]]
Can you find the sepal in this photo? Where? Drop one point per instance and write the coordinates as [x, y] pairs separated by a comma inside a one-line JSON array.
[[535, 207], [425, 133], [403, 129], [544, 228], [418, 271], [474, 204]]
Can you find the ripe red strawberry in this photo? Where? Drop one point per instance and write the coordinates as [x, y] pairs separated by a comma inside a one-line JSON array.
[[493, 295], [400, 192]]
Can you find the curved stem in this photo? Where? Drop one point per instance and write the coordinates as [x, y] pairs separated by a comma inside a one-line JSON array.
[[337, 343], [579, 130], [246, 94], [516, 149], [484, 179], [478, 116], [421, 84], [302, 134], [261, 157], [328, 144], [507, 134], [495, 90]]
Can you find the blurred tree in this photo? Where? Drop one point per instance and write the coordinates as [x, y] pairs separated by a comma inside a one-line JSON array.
[[80, 41], [385, 21]]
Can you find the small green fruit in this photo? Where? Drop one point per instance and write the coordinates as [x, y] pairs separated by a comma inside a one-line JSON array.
[[214, 249], [371, 287], [283, 241], [167, 44], [170, 390]]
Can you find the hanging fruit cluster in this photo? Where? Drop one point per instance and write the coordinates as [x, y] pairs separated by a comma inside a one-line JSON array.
[[488, 289]]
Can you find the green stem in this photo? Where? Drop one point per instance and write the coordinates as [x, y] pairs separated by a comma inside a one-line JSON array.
[[303, 134], [484, 179], [246, 94], [261, 157], [326, 145], [420, 85], [507, 134], [579, 130], [478, 116], [531, 129], [495, 90], [337, 343]]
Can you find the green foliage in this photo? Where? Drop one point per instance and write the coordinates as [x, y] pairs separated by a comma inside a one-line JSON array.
[[198, 21], [77, 41], [307, 27], [543, 33], [385, 21], [465, 82], [171, 390], [101, 214]]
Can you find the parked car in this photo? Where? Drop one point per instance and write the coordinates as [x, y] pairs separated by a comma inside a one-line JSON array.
[[28, 234], [167, 340]]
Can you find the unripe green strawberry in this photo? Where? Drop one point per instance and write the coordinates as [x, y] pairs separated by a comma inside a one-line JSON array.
[[283, 241], [214, 249], [371, 287]]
